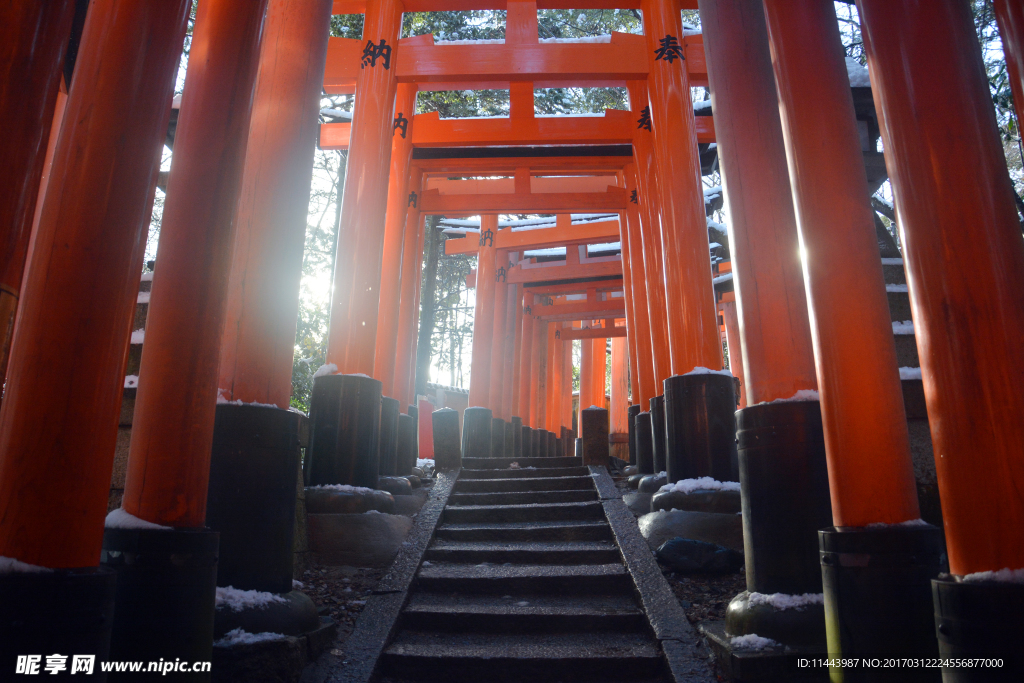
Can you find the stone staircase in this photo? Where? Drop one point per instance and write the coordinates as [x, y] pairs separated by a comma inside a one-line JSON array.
[[523, 580], [913, 390]]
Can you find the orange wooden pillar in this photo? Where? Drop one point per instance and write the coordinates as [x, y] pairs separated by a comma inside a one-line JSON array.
[[499, 313], [538, 382], [1010, 18], [644, 382], [515, 408], [526, 368], [619, 386], [870, 472], [648, 197], [555, 374], [483, 316], [776, 359], [600, 386], [33, 41], [566, 388], [258, 344], [956, 208], [627, 287], [409, 307], [689, 299], [168, 463], [509, 344], [737, 356], [58, 423], [353, 332], [586, 371], [392, 265]]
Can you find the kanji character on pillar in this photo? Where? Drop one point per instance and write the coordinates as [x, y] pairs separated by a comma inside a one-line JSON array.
[[645, 118], [413, 199], [373, 52], [633, 197], [670, 49], [401, 123], [487, 238]]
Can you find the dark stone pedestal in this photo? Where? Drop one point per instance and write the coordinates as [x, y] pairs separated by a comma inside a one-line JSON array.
[[414, 413], [406, 451], [980, 619], [476, 432], [497, 437], [517, 437], [389, 412], [773, 664], [700, 427], [542, 443], [878, 598], [594, 431], [631, 414], [510, 439], [66, 611], [344, 430], [166, 591], [447, 449], [275, 660], [527, 442], [553, 450], [658, 439], [644, 434], [578, 448], [251, 496]]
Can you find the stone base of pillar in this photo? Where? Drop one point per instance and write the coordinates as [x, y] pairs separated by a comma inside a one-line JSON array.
[[497, 437], [658, 441], [414, 413], [785, 500], [290, 614], [447, 447], [476, 432], [578, 450], [251, 495], [166, 593], [742, 663], [68, 611], [700, 427], [390, 409], [644, 437], [553, 449], [877, 586], [542, 443], [980, 619], [594, 432], [517, 436], [344, 431], [510, 442], [527, 443], [631, 414], [405, 452]]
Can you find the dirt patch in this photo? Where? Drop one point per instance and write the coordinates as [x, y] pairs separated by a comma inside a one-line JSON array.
[[340, 593]]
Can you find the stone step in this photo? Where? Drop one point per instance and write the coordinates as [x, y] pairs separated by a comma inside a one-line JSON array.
[[526, 552], [539, 512], [503, 463], [525, 473], [503, 579], [582, 530], [906, 351], [899, 306], [475, 657], [522, 497], [530, 613], [524, 484]]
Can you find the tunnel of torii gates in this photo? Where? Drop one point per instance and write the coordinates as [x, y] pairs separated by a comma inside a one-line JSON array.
[[821, 445]]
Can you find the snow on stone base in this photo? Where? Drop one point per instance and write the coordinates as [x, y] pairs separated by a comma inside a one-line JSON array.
[[783, 601], [1006, 575], [751, 641], [326, 369], [343, 488], [709, 371], [800, 395], [701, 484], [240, 637], [910, 373], [238, 600], [121, 519], [9, 565], [908, 523]]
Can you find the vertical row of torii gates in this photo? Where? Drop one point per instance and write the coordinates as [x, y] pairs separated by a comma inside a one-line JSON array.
[[810, 298]]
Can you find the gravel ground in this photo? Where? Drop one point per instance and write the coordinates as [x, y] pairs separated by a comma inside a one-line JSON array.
[[340, 593]]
